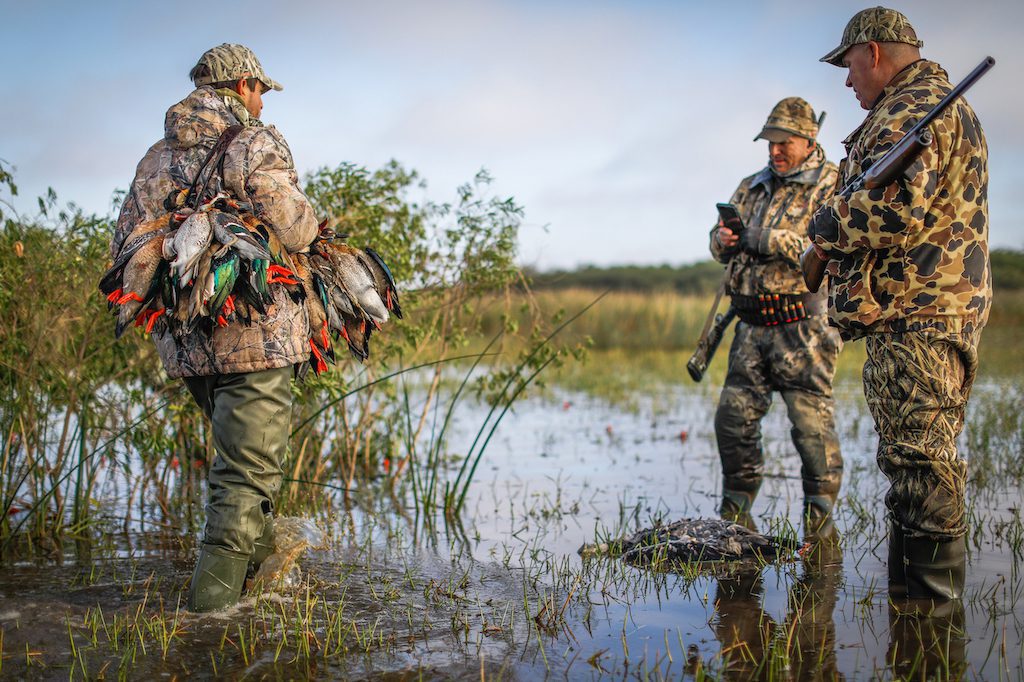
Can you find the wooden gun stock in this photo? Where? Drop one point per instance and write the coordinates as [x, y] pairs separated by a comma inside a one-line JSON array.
[[813, 268], [708, 344]]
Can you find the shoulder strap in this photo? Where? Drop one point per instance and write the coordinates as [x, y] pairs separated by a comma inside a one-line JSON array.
[[214, 160]]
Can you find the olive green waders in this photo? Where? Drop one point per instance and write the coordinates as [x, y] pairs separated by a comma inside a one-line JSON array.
[[251, 417], [796, 360]]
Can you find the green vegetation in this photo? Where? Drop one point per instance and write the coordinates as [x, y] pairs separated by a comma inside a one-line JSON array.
[[1007, 270], [703, 277], [72, 399]]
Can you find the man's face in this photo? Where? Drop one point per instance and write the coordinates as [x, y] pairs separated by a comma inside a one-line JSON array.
[[790, 153], [252, 98], [863, 74]]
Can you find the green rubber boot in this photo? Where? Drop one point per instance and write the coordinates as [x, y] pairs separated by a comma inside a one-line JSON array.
[[263, 546], [218, 579], [735, 508], [897, 562], [819, 523], [935, 570]]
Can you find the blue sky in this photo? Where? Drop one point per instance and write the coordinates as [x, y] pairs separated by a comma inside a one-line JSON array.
[[618, 125]]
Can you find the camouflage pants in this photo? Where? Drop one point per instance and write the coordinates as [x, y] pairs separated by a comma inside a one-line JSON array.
[[797, 360], [917, 385], [251, 416]]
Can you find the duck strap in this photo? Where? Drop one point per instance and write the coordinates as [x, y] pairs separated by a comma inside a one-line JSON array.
[[213, 162]]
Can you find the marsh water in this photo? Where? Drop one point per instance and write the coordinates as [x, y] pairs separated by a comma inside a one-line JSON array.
[[502, 593]]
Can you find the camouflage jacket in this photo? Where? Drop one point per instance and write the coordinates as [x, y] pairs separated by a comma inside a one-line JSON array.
[[913, 255], [782, 206], [258, 167]]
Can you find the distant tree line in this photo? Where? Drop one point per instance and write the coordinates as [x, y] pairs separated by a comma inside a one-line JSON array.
[[704, 277], [1008, 269], [697, 278]]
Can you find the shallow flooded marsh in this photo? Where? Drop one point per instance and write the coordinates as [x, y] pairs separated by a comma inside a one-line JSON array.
[[502, 593]]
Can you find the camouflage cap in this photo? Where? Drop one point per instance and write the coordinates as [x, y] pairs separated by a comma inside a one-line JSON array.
[[230, 62], [791, 116], [879, 24]]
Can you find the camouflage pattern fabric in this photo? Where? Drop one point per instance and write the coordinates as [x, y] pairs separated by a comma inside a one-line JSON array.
[[258, 167], [913, 255], [235, 103], [791, 116], [878, 24], [917, 385], [251, 417], [230, 62], [798, 360], [782, 206]]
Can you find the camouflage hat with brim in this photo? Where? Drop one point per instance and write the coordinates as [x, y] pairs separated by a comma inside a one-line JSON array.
[[791, 116], [229, 62], [878, 24]]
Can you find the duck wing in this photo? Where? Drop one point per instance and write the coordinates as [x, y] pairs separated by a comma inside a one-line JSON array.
[[139, 237], [357, 281], [384, 280]]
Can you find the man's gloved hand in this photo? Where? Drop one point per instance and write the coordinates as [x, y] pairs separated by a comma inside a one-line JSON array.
[[751, 241]]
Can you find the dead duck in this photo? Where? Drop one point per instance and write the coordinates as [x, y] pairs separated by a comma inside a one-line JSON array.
[[138, 286], [696, 541]]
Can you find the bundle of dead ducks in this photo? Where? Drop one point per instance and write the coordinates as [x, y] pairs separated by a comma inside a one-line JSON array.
[[193, 270], [695, 541]]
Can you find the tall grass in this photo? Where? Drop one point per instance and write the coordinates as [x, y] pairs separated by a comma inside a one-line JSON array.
[[621, 320], [668, 321]]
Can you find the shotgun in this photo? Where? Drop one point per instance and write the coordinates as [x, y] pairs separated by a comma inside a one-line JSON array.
[[709, 340]]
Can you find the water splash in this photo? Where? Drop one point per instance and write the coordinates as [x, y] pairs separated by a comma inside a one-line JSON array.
[[292, 536]]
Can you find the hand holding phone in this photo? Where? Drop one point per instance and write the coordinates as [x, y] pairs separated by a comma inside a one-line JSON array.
[[730, 217], [730, 226]]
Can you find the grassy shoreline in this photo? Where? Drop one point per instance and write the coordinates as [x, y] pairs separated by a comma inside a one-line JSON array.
[[650, 335]]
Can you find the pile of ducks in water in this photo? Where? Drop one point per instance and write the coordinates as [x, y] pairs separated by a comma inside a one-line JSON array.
[[195, 269], [688, 541]]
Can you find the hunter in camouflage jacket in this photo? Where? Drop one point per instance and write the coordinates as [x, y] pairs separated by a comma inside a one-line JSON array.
[[914, 255], [258, 167], [783, 212]]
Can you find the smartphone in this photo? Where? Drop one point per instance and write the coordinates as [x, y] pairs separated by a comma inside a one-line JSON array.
[[730, 217]]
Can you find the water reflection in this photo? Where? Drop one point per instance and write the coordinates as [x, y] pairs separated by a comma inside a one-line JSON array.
[[802, 647], [927, 641]]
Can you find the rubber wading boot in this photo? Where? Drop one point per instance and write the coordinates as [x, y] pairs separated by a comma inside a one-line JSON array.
[[263, 546], [935, 570], [897, 562], [218, 579], [818, 519], [823, 551], [736, 508]]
